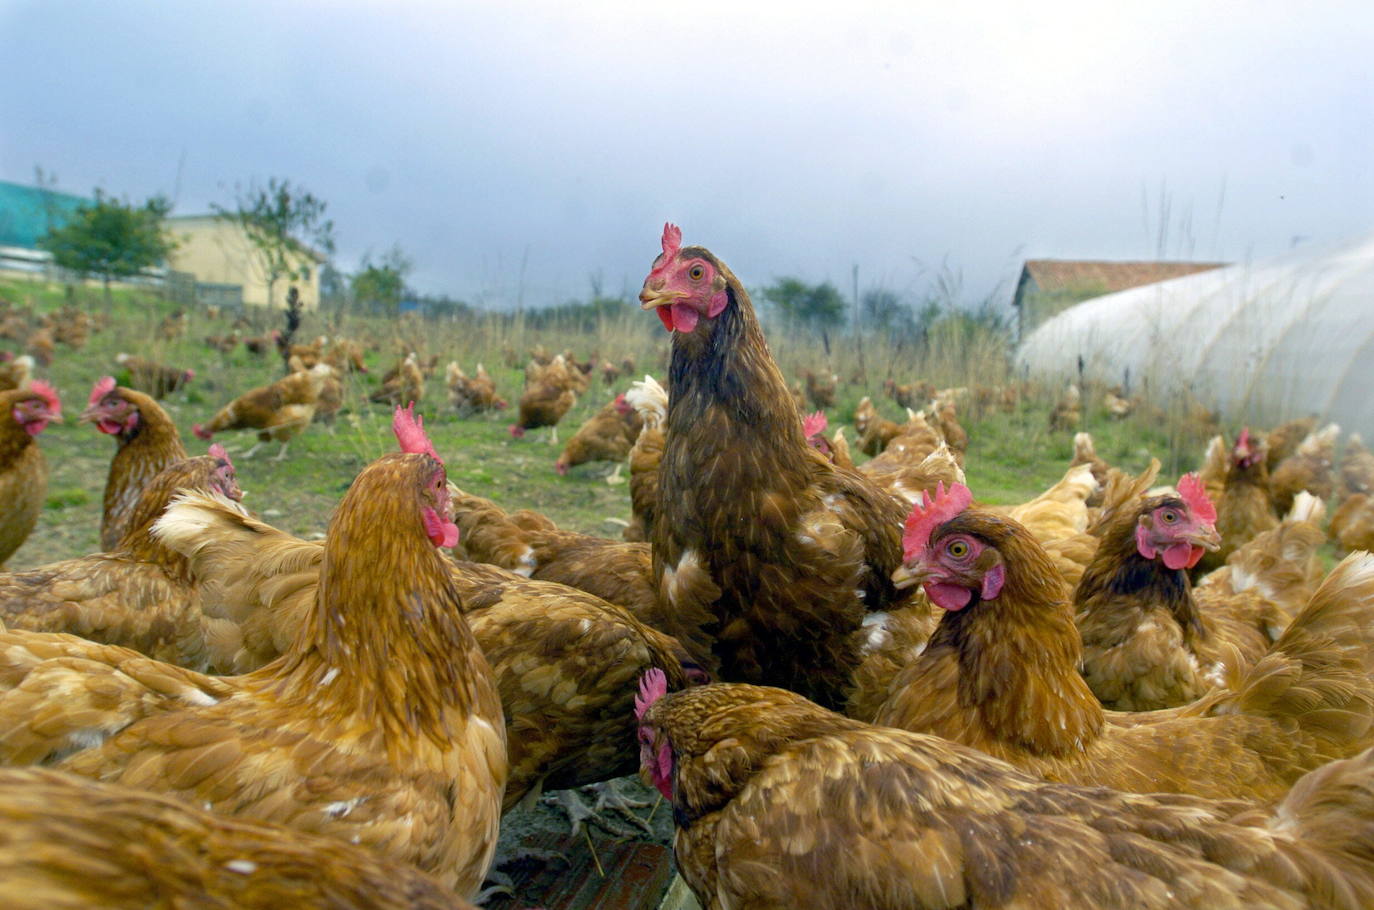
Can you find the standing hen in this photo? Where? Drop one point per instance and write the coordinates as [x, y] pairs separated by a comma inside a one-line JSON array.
[[277, 411], [24, 413], [148, 442], [783, 550], [380, 725]]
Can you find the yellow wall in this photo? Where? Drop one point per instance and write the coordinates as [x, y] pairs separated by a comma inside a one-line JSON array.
[[217, 251]]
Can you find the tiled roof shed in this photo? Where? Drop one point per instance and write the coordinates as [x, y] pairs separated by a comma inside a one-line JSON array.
[[1047, 286]]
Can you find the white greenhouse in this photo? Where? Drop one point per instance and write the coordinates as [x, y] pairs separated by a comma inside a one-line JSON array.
[[1263, 341]]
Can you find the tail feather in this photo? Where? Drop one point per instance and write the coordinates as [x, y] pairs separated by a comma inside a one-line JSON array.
[[1122, 491], [1327, 824], [254, 579], [1318, 672], [1306, 507]]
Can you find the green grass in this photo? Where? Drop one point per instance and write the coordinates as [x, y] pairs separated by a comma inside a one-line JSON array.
[[1012, 457]]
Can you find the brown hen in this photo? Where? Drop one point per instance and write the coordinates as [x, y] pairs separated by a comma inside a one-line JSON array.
[[68, 842], [780, 803], [1001, 674], [380, 725], [140, 595], [24, 413], [785, 551], [147, 442]]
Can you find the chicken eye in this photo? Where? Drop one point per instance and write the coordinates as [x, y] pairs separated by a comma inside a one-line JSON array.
[[958, 549], [696, 272], [1168, 516]]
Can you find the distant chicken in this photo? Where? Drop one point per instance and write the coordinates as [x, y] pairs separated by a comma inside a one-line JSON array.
[[902, 478], [1312, 468], [345, 355], [147, 442], [402, 384], [24, 413], [398, 748], [39, 346], [650, 401], [472, 394], [820, 389], [225, 344], [153, 378], [875, 431], [139, 594], [1357, 467], [1118, 406], [944, 417], [16, 373], [1245, 508], [606, 436], [1283, 440], [1068, 411], [543, 404], [66, 841], [909, 396], [780, 803], [278, 411], [912, 442], [261, 344], [172, 326], [1001, 674]]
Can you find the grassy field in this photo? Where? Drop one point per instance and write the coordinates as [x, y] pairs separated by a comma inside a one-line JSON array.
[[1011, 457]]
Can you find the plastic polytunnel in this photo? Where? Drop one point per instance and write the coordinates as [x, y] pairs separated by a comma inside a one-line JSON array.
[[1264, 341]]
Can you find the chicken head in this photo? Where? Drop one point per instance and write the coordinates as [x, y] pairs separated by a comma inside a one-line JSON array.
[[684, 284], [1179, 529]]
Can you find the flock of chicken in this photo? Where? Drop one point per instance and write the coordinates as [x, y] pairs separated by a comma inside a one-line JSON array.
[[856, 686]]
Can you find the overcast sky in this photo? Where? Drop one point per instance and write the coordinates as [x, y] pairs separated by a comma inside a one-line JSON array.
[[487, 139]]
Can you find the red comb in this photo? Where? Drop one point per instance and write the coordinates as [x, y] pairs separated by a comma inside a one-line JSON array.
[[218, 451], [653, 685], [813, 424], [1244, 439], [410, 432], [103, 386], [672, 243], [48, 394], [928, 514], [1194, 494], [672, 240]]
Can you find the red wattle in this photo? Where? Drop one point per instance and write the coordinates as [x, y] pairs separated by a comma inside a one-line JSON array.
[[948, 597], [665, 316]]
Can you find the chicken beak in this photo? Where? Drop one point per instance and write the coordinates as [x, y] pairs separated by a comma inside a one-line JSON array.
[[906, 576], [1205, 537], [88, 416], [651, 299]]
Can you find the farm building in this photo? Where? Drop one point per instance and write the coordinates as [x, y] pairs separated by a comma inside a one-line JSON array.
[[1048, 286], [27, 212], [1262, 341], [223, 259]]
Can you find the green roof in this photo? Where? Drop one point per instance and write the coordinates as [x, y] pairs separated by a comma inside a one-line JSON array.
[[26, 212]]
